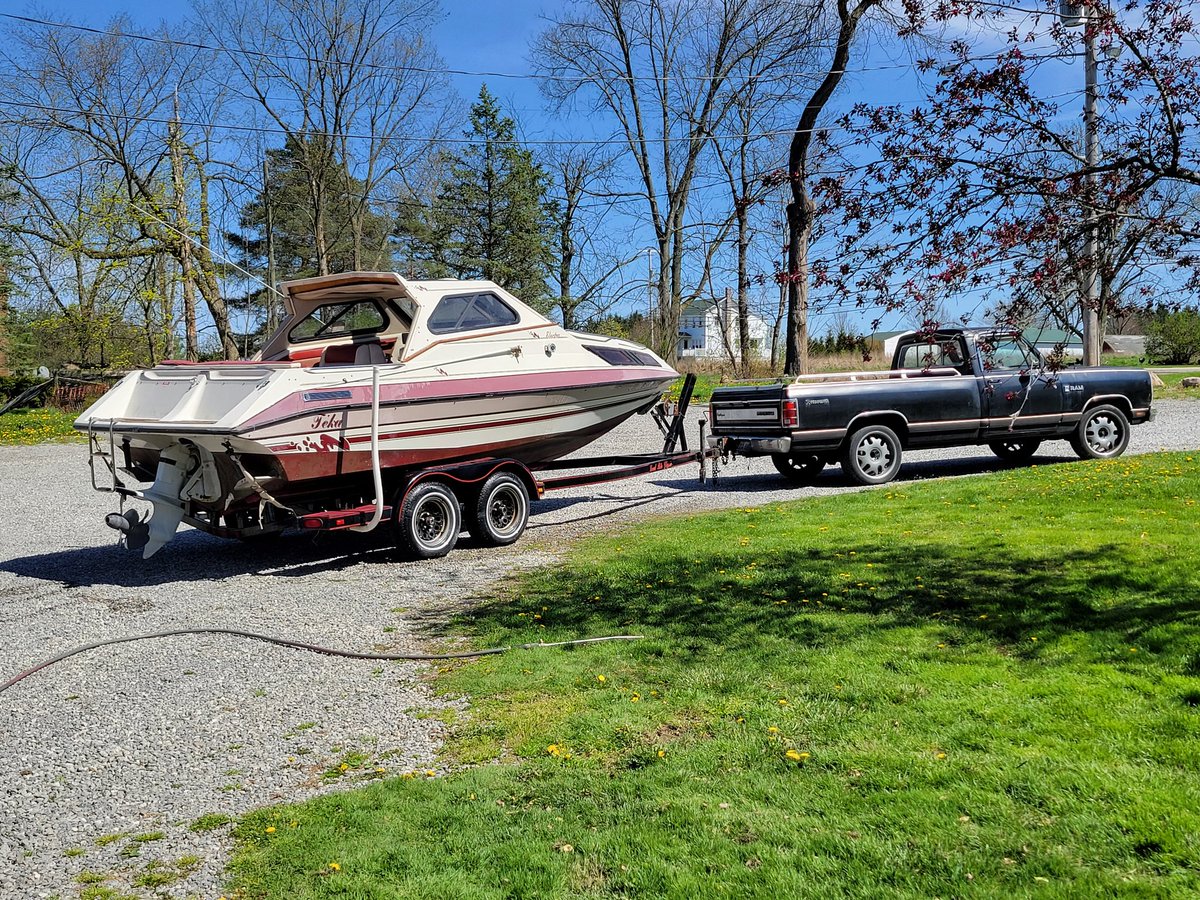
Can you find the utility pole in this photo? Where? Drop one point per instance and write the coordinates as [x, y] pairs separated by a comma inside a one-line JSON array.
[[183, 234], [270, 249], [1074, 14], [650, 295]]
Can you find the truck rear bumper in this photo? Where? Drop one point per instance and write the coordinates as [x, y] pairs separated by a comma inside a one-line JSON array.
[[751, 446]]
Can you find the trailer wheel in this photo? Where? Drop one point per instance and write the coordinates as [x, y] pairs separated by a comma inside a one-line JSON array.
[[799, 468], [872, 455], [429, 521], [501, 510], [1014, 450], [1103, 433]]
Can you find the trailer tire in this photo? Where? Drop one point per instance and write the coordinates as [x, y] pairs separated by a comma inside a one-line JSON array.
[[799, 468], [1015, 450], [1103, 433], [501, 510], [872, 455], [429, 520]]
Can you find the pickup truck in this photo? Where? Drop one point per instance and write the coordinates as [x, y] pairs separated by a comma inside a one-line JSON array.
[[948, 388]]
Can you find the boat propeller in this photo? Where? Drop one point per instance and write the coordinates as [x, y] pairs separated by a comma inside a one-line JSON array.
[[132, 528]]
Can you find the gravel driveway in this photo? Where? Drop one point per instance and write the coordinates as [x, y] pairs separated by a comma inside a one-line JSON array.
[[110, 758]]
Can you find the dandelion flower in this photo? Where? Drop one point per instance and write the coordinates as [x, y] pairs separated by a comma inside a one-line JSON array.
[[601, 679], [270, 829], [772, 730], [336, 867]]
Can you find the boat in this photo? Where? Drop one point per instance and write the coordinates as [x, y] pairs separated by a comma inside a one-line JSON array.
[[370, 379]]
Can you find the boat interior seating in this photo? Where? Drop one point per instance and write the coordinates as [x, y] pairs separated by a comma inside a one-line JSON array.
[[360, 353]]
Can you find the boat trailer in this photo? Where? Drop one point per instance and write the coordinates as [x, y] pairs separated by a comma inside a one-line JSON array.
[[491, 494]]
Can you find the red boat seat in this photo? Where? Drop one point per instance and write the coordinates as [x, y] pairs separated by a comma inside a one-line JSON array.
[[360, 353]]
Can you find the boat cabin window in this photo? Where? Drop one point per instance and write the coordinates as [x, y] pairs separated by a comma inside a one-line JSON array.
[[468, 312], [336, 319]]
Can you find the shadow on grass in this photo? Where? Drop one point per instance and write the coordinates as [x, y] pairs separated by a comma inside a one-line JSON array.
[[796, 599]]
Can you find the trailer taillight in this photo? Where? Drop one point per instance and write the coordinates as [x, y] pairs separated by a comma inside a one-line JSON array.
[[790, 416]]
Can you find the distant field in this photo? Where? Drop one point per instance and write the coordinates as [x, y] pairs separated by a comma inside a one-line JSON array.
[[971, 687]]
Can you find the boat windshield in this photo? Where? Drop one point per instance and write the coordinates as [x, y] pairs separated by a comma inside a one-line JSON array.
[[334, 319]]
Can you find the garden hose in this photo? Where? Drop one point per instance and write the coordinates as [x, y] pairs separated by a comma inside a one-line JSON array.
[[312, 648]]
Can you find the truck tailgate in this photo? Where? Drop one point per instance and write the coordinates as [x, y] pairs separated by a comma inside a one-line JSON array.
[[747, 410]]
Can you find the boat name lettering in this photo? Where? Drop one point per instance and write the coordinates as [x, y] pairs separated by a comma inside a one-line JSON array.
[[327, 421], [316, 396]]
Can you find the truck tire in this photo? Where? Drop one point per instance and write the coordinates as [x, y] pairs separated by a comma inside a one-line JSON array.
[[872, 455], [501, 510], [1015, 450], [799, 468], [428, 521], [1103, 433]]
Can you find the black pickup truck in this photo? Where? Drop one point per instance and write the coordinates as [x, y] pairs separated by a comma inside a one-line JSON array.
[[954, 387]]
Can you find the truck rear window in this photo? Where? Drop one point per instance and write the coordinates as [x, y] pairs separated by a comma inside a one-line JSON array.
[[932, 355]]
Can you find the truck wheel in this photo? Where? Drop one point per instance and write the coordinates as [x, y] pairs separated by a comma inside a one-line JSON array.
[[1103, 433], [798, 468], [1014, 450], [872, 455], [429, 521], [501, 510]]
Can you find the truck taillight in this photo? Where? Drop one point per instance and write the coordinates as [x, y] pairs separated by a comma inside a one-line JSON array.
[[790, 417]]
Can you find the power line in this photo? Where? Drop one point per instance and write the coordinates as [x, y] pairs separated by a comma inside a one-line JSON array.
[[432, 70]]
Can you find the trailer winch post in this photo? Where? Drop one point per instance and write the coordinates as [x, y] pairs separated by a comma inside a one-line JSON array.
[[674, 433]]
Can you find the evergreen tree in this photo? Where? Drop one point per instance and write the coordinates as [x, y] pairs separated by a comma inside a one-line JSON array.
[[491, 218], [294, 222]]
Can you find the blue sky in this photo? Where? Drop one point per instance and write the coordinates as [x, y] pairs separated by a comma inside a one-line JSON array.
[[495, 36]]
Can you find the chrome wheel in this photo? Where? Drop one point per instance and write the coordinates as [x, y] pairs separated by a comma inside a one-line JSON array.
[[429, 520], [872, 455], [1103, 433], [501, 510]]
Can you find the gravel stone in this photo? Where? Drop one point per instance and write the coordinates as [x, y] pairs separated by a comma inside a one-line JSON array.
[[148, 737]]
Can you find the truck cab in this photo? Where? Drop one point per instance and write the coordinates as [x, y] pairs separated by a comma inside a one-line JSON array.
[[949, 387]]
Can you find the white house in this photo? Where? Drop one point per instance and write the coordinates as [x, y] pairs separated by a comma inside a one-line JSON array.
[[707, 326]]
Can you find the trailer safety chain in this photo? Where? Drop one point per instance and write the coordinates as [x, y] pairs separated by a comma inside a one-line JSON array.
[[312, 648]]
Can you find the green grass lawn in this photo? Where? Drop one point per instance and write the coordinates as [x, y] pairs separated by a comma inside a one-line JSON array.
[[1172, 390], [973, 687], [37, 426]]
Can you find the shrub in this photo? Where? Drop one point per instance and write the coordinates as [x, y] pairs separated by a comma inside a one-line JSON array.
[[1173, 338]]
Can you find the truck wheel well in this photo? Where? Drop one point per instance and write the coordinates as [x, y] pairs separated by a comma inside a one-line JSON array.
[[1120, 401], [892, 420]]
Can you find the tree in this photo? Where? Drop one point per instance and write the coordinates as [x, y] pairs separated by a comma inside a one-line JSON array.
[[7, 196], [801, 209], [661, 70], [1173, 337], [759, 88], [345, 81], [346, 227], [981, 192], [491, 218], [104, 106]]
